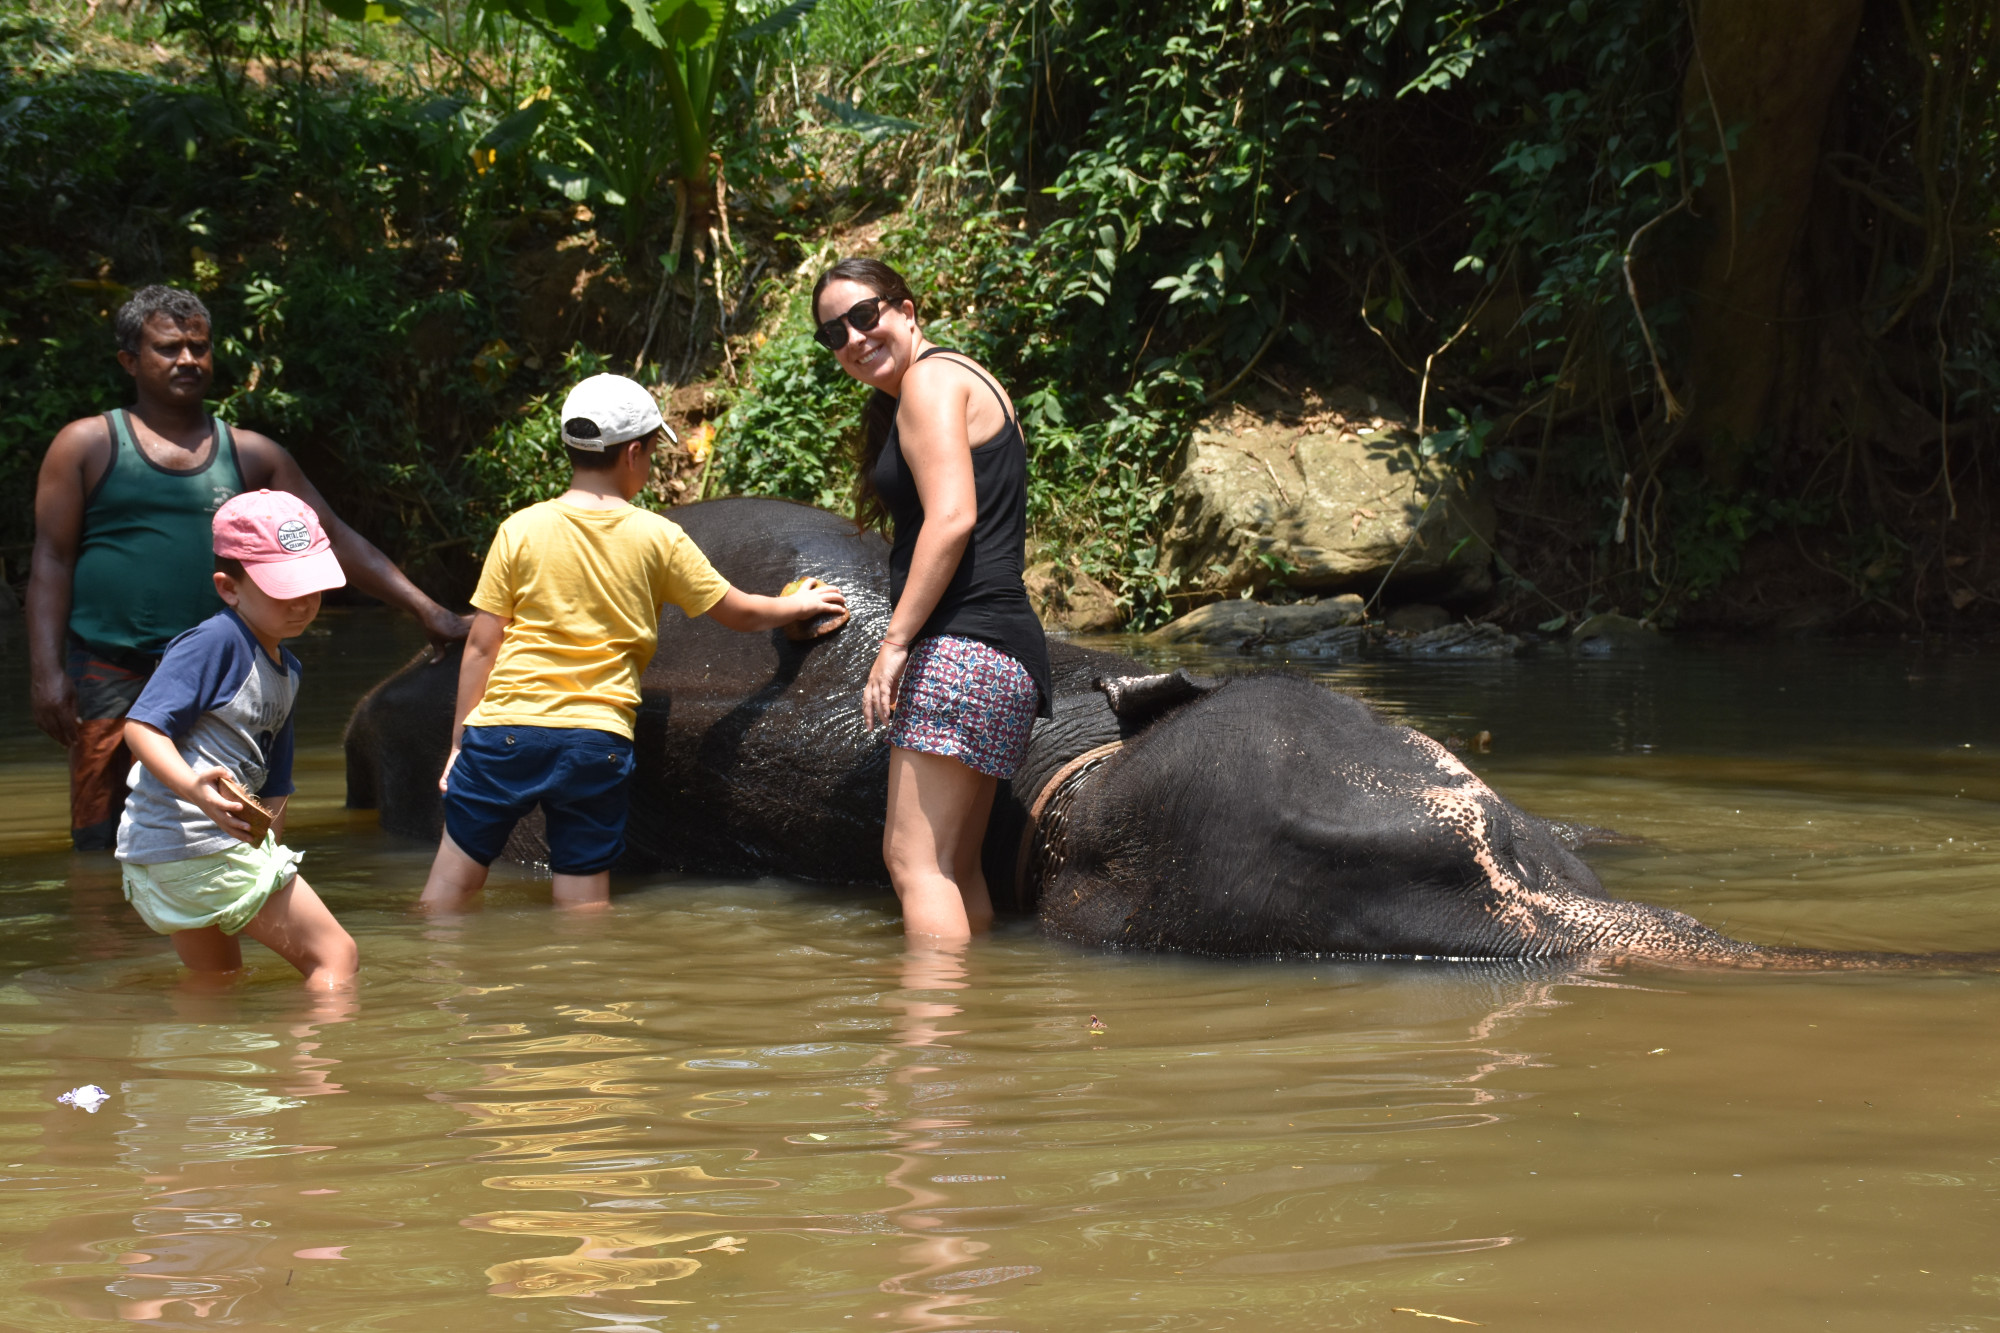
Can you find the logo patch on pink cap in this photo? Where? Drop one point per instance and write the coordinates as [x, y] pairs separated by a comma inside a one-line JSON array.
[[277, 538]]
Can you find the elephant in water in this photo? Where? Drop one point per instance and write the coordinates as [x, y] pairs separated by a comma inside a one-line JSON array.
[[1260, 815]]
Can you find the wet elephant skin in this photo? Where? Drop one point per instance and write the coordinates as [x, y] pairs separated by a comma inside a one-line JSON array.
[[752, 757]]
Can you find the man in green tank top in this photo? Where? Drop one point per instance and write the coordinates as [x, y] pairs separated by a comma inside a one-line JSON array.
[[123, 558]]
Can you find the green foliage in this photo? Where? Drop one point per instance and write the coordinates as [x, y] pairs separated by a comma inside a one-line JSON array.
[[637, 91], [795, 435], [1207, 183], [523, 461], [1164, 197], [1226, 173], [1462, 205]]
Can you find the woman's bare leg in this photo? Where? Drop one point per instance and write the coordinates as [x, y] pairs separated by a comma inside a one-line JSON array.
[[931, 840], [967, 865], [296, 925]]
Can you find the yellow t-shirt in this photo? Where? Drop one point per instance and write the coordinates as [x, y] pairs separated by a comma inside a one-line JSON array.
[[582, 589]]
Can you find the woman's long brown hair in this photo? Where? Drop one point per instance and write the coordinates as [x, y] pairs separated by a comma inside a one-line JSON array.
[[879, 417]]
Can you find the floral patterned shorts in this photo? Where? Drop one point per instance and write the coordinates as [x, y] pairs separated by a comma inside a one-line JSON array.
[[966, 700]]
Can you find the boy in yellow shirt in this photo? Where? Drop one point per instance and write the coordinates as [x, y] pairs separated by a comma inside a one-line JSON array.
[[567, 618]]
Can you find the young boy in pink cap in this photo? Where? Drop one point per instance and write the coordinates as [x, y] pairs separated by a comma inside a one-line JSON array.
[[568, 614], [219, 709]]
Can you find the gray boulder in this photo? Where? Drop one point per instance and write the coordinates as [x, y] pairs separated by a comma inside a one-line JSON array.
[[1071, 599], [1236, 622], [1609, 633], [1349, 641], [1418, 618], [1326, 494], [1474, 640]]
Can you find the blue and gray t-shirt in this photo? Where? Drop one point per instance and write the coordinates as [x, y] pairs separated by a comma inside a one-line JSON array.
[[222, 699]]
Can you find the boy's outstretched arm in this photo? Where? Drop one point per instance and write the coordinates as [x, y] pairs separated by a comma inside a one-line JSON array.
[[156, 750], [747, 611], [482, 646]]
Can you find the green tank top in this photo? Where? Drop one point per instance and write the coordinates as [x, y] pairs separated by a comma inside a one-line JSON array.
[[145, 571]]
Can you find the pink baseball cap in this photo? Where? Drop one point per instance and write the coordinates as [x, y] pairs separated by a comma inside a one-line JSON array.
[[280, 543]]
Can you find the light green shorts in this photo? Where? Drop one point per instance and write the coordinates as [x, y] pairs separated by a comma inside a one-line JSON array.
[[225, 890]]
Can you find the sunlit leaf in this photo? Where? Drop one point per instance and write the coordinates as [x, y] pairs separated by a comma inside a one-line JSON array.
[[776, 21], [182, 120], [579, 22], [865, 123], [571, 183], [367, 11], [514, 130], [642, 21], [689, 23]]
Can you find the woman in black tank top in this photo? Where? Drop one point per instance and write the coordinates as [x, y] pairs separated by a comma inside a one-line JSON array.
[[964, 670]]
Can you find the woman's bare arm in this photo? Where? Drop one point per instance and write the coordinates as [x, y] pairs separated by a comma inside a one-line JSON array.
[[930, 425]]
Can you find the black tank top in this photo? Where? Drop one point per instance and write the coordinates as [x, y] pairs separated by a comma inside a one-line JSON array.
[[985, 599]]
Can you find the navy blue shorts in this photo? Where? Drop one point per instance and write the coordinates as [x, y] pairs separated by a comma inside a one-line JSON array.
[[580, 778]]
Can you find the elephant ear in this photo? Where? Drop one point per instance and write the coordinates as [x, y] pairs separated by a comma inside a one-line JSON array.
[[1140, 699]]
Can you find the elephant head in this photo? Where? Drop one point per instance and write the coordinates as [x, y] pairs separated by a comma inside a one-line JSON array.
[[1268, 815]]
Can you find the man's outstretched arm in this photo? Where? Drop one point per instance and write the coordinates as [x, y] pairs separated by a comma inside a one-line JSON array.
[[266, 463]]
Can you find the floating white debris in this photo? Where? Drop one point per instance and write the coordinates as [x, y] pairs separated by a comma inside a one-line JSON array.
[[86, 1098]]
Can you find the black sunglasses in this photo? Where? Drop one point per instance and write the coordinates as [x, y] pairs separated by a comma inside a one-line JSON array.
[[863, 315]]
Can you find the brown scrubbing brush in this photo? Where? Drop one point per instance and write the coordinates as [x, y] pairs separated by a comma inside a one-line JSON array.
[[253, 812], [800, 631]]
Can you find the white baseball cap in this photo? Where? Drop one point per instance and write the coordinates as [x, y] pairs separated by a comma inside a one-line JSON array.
[[607, 410]]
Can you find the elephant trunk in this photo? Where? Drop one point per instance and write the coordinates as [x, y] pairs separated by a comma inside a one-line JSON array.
[[1620, 931]]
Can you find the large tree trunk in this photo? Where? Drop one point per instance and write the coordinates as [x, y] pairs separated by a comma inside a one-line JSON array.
[[1769, 68]]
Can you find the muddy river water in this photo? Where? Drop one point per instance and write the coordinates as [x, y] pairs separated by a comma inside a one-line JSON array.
[[741, 1106]]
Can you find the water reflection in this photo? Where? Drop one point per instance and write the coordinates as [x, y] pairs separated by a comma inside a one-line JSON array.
[[511, 1109], [968, 1150], [199, 1096], [937, 1249], [602, 1262]]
